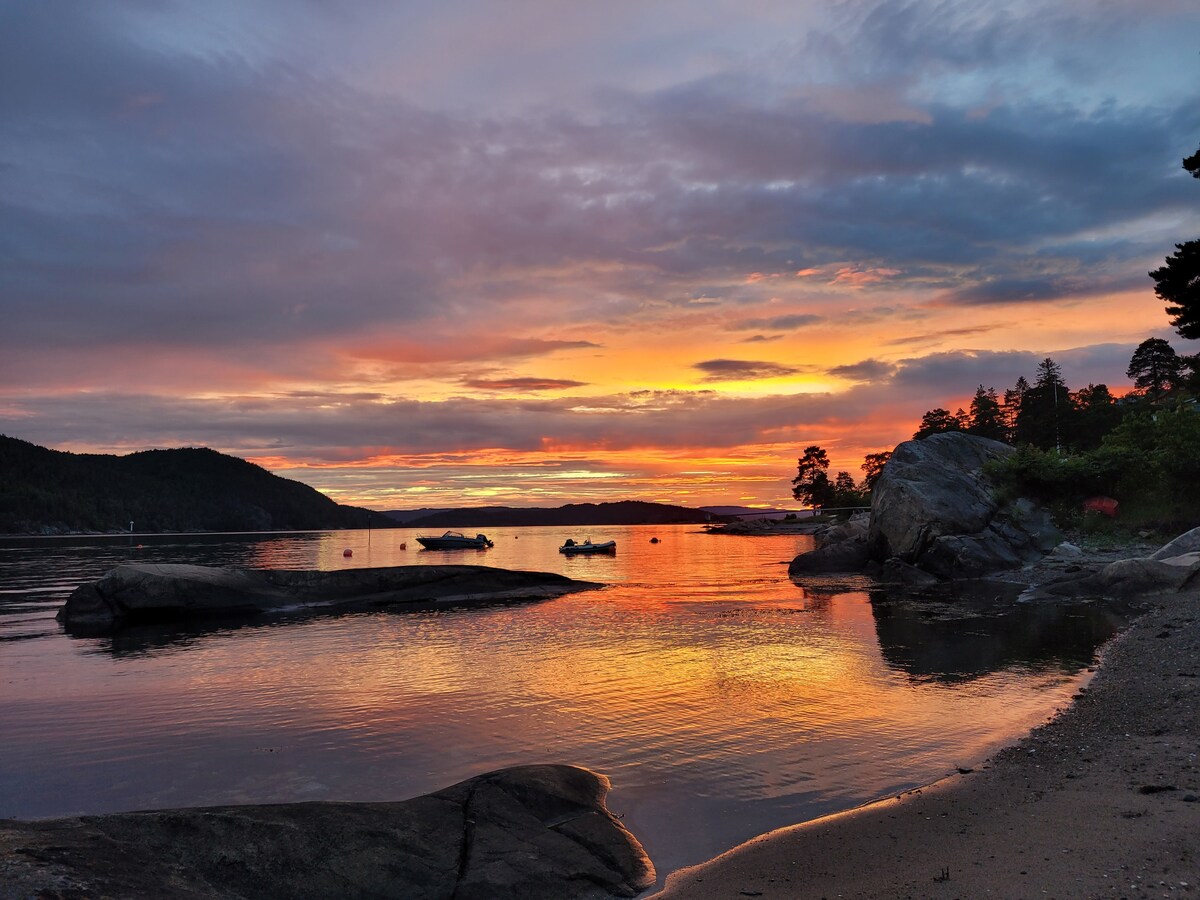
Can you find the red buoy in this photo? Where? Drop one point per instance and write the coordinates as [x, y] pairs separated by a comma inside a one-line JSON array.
[[347, 552]]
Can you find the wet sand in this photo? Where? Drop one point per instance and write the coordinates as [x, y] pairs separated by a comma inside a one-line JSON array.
[[1100, 802]]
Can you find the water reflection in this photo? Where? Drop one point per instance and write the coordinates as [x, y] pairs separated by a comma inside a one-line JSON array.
[[722, 698], [968, 630]]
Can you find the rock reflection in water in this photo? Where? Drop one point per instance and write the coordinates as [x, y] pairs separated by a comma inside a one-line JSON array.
[[969, 629]]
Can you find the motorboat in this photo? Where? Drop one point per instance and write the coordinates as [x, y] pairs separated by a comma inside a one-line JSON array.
[[570, 547], [454, 540]]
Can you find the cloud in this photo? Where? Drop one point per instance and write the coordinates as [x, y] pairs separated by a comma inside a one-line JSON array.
[[521, 384], [778, 323], [868, 370], [255, 201], [742, 370], [935, 336]]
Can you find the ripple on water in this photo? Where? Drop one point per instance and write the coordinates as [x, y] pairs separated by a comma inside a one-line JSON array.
[[723, 699]]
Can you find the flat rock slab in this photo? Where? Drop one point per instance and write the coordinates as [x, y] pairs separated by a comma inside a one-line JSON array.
[[141, 593], [529, 832]]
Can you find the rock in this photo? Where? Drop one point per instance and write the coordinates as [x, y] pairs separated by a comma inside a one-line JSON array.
[[525, 833], [155, 593], [896, 571], [1139, 577], [1188, 542], [1066, 551], [934, 508], [843, 548]]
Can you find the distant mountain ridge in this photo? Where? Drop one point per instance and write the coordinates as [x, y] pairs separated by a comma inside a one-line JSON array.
[[46, 491], [622, 512]]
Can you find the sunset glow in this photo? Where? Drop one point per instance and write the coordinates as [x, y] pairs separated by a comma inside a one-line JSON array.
[[435, 256]]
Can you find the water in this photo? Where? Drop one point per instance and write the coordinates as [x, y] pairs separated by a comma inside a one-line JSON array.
[[722, 699]]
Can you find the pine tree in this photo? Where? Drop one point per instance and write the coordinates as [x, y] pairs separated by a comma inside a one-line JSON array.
[[1178, 282], [1156, 369], [1045, 415], [937, 421], [985, 418], [811, 485]]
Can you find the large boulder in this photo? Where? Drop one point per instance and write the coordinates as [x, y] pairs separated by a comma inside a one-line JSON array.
[[1132, 578], [1188, 542], [527, 833], [840, 548], [933, 507], [140, 593]]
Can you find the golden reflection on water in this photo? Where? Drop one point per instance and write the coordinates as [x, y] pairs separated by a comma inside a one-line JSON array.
[[722, 698]]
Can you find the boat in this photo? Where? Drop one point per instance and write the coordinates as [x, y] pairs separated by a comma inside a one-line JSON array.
[[454, 540], [570, 547]]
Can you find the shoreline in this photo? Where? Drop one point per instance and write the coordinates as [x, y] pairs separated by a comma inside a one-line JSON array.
[[1102, 800]]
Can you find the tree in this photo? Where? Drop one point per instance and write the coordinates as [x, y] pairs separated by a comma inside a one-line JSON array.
[[986, 420], [1178, 282], [1045, 415], [811, 485], [1096, 415], [872, 467], [845, 493], [1156, 369], [1012, 406], [937, 421]]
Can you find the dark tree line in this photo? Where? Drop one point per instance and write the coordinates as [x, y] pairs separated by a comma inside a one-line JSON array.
[[812, 485], [1049, 415]]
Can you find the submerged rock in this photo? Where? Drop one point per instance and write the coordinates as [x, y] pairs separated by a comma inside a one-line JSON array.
[[157, 593], [524, 833]]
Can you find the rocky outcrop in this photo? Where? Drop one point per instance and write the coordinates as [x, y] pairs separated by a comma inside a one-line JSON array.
[[934, 511], [934, 508], [1130, 578], [156, 593], [840, 548], [524, 833], [1188, 542]]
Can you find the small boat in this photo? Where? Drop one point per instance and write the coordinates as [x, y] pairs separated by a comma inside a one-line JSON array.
[[454, 540], [570, 547]]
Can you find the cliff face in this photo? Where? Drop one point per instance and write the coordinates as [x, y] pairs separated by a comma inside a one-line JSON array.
[[193, 489]]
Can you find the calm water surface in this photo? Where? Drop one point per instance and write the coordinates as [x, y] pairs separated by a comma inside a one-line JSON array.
[[721, 698]]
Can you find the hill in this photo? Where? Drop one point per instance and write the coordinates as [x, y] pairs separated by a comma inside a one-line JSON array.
[[624, 512], [46, 491]]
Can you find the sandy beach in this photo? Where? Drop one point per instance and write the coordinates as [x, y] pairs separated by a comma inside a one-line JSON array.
[[1102, 801]]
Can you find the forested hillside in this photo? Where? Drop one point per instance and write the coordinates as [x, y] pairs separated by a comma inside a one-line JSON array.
[[47, 491], [625, 512]]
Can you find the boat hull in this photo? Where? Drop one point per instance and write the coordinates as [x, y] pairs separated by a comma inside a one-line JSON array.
[[608, 547], [454, 542]]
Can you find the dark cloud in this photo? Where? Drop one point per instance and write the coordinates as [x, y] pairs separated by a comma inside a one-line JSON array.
[[208, 199], [778, 323], [868, 370], [741, 369], [260, 204], [936, 336], [942, 374], [521, 384], [312, 430]]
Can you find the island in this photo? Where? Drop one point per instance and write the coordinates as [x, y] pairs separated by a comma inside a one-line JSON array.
[[154, 593]]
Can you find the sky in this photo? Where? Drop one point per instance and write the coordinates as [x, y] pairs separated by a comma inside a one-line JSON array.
[[532, 252]]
